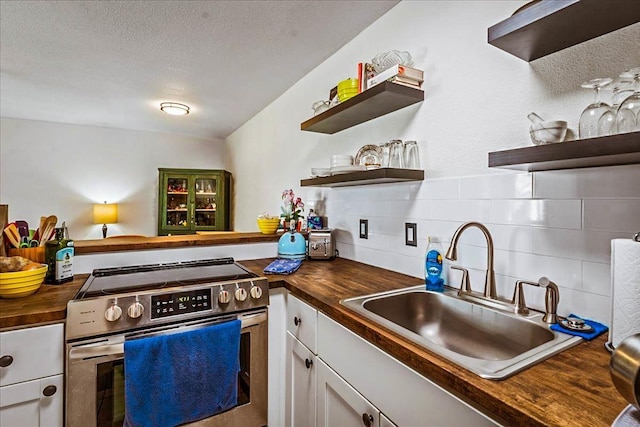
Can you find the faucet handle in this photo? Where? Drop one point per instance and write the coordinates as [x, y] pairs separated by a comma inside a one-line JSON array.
[[552, 297], [465, 284]]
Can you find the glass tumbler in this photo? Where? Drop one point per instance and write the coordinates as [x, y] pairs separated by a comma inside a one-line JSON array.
[[396, 155], [411, 155], [385, 150]]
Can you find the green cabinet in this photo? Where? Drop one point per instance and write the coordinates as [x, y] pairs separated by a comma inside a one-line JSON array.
[[191, 200]]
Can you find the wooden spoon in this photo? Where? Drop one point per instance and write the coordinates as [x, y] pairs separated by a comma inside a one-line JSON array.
[[49, 228]]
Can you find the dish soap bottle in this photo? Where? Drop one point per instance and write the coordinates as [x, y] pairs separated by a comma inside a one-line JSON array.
[[58, 254], [433, 265]]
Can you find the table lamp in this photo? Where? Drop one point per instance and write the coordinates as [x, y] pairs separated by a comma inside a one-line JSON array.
[[105, 214]]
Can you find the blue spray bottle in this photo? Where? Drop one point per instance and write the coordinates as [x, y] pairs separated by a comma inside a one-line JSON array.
[[433, 265]]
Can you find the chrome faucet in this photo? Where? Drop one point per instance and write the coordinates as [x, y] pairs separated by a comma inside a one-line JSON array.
[[551, 299], [490, 276]]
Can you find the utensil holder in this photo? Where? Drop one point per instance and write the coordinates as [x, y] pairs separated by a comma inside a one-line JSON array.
[[34, 254]]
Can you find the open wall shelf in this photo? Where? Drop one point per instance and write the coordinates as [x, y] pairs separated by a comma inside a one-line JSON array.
[[621, 149], [381, 99], [547, 26], [374, 176]]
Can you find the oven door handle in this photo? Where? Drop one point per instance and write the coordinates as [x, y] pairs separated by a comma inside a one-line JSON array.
[[115, 345]]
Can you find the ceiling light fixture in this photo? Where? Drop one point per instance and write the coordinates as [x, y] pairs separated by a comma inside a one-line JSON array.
[[174, 108]]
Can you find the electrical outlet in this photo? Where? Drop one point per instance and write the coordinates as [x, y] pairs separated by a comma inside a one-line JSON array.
[[364, 228], [410, 233]]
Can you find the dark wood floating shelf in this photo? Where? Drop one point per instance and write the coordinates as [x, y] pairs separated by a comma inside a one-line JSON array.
[[381, 99], [547, 26], [374, 176], [621, 149]]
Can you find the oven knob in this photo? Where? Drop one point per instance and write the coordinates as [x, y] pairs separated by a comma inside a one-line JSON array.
[[135, 310], [113, 313], [241, 294], [256, 292], [223, 297]]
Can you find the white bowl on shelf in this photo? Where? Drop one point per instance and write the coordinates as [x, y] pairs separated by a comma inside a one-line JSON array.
[[341, 160]]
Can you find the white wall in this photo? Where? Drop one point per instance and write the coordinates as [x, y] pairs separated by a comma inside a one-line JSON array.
[[59, 169], [477, 98]]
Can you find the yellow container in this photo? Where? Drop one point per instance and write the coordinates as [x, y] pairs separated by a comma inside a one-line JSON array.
[[19, 284], [268, 225], [347, 89]]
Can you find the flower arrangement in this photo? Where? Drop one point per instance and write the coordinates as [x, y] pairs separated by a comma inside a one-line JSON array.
[[292, 206]]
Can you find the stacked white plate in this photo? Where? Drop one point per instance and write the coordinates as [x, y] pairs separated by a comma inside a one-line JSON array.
[[338, 160]]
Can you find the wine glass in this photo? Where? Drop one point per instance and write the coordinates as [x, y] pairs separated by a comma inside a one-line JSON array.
[[621, 89], [589, 119], [628, 116]]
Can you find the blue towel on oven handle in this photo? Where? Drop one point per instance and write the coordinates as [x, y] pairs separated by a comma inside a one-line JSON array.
[[181, 377]]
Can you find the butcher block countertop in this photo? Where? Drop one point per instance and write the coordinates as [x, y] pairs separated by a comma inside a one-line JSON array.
[[569, 389]]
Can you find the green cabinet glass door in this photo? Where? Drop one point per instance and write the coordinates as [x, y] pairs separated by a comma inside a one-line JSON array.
[[192, 200]]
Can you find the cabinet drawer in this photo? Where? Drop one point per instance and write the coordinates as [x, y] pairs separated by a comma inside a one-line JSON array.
[[34, 353], [302, 321]]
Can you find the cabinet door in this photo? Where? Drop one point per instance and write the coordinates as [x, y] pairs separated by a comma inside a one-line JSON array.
[[37, 403], [302, 321], [174, 212], [210, 201], [32, 353], [300, 410], [339, 404]]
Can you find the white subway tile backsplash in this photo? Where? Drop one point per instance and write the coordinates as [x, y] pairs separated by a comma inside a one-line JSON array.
[[596, 278], [444, 188], [502, 186], [612, 215], [546, 213], [461, 210], [556, 224], [576, 244], [607, 182]]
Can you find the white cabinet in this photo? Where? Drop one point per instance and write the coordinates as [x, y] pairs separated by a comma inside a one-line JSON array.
[[31, 377], [277, 355], [402, 394], [339, 404], [300, 399], [301, 385]]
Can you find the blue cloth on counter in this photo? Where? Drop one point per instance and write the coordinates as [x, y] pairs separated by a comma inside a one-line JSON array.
[[598, 328], [181, 377], [283, 266]]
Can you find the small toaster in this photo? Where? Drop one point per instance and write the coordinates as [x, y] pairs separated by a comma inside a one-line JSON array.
[[322, 245]]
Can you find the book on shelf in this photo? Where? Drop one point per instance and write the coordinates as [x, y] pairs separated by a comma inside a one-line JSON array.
[[360, 79], [367, 72], [407, 73], [405, 81]]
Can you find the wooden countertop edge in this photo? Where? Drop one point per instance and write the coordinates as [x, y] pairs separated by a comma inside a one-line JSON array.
[[135, 243]]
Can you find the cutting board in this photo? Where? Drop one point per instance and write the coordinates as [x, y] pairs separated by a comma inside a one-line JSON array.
[[4, 220]]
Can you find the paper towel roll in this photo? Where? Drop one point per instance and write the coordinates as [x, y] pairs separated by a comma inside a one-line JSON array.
[[625, 299]]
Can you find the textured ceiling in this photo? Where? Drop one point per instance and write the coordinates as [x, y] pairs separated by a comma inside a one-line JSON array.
[[110, 63]]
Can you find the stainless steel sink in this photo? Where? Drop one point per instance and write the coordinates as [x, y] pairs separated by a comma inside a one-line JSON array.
[[475, 334]]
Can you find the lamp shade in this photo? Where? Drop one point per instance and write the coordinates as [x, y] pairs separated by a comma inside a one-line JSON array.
[[105, 213]]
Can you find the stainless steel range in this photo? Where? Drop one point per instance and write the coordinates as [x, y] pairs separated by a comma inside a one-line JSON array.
[[119, 304]]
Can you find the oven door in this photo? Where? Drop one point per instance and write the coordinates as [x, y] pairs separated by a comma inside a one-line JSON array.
[[95, 377]]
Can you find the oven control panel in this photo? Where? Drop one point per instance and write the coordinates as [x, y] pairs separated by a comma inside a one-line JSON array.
[[104, 315], [178, 303]]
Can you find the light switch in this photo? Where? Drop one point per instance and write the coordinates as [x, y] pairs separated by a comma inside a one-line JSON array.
[[410, 233], [364, 228]]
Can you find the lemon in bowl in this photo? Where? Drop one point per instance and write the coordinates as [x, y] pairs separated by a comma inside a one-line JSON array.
[[268, 225], [19, 284]]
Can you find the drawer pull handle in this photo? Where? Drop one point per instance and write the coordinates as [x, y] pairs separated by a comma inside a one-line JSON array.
[[5, 361], [367, 419], [308, 363], [49, 390], [297, 321]]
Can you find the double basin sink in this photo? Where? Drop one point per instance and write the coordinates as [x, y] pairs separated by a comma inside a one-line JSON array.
[[487, 340]]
